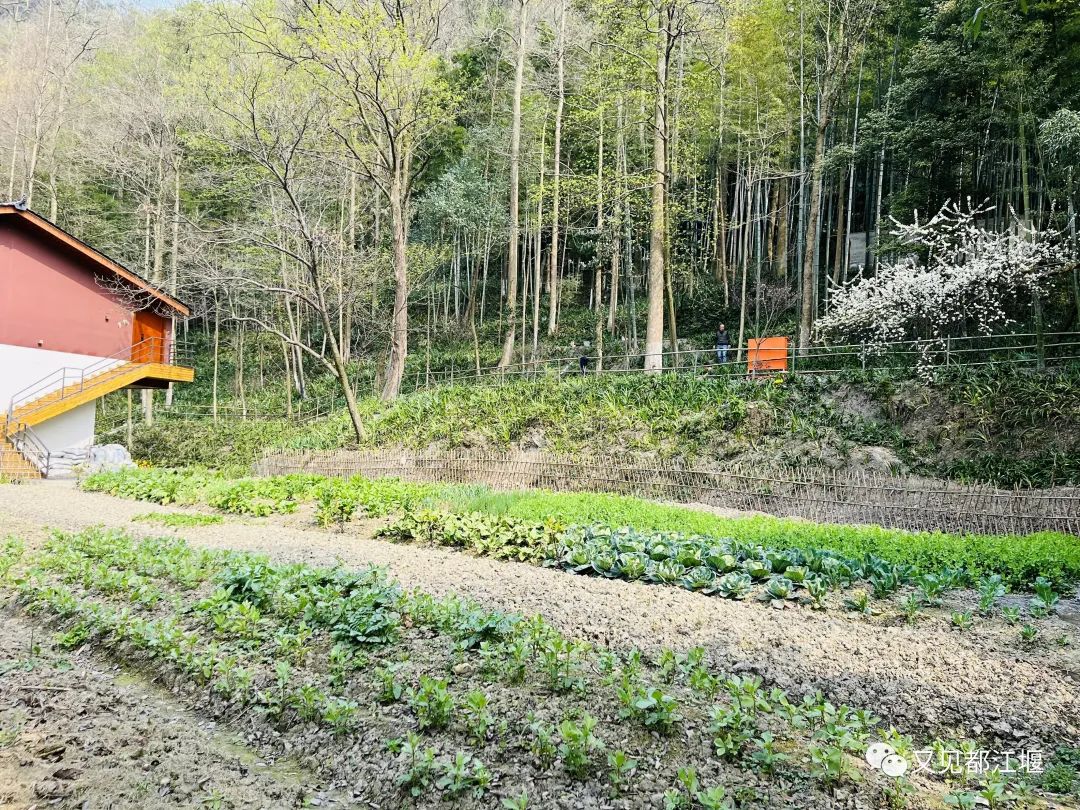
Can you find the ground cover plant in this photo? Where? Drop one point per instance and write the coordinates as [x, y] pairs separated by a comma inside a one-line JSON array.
[[686, 414], [1019, 560], [439, 698], [178, 520], [992, 423]]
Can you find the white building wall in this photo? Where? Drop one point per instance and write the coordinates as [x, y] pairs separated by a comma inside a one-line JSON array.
[[69, 435], [21, 367]]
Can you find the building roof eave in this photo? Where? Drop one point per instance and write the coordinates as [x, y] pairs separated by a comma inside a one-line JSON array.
[[99, 258]]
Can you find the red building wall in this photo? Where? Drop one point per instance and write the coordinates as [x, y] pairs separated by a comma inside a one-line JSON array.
[[49, 298]]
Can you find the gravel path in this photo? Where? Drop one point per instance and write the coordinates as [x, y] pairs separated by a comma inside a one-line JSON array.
[[927, 678]]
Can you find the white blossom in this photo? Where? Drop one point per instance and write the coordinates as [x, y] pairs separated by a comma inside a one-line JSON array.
[[959, 275]]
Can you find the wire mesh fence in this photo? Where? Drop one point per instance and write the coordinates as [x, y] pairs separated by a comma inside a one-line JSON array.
[[817, 494]]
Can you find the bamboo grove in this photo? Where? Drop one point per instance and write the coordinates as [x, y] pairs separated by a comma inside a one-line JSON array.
[[351, 183]]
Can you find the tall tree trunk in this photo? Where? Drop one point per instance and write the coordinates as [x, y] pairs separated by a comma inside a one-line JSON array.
[[745, 259], [537, 270], [217, 363], [654, 324], [515, 167], [553, 256], [809, 275], [616, 242], [598, 270], [174, 258], [781, 263], [399, 340]]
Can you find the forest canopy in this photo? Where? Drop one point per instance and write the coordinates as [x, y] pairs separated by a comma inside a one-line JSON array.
[[354, 180]]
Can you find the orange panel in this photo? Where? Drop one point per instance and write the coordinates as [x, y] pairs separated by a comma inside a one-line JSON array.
[[148, 325], [767, 354]]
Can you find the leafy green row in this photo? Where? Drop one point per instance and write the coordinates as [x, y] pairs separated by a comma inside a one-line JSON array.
[[1019, 560], [338, 500], [723, 566], [496, 536]]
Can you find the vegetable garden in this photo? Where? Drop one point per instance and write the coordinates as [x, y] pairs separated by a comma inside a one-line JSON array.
[[418, 699], [453, 701]]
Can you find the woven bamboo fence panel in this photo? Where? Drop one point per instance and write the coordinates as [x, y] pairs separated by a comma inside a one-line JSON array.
[[822, 495]]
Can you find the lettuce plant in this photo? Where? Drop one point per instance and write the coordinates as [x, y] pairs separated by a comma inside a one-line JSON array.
[[961, 621], [990, 590], [667, 571], [699, 578], [1045, 600], [818, 588], [757, 569], [633, 565], [779, 587], [735, 585]]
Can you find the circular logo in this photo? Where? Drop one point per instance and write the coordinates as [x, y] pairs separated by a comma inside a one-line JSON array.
[[883, 757], [877, 752], [894, 765]]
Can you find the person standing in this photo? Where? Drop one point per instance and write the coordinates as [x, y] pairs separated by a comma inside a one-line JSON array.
[[723, 343]]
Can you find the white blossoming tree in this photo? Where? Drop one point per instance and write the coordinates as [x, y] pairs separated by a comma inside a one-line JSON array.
[[959, 277]]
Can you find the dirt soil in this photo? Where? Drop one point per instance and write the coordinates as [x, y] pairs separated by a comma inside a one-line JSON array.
[[76, 731], [929, 679]]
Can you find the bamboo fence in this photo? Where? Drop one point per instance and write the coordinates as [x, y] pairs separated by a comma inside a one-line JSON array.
[[818, 494]]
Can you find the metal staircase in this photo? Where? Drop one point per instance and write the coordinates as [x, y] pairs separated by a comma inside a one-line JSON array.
[[22, 454]]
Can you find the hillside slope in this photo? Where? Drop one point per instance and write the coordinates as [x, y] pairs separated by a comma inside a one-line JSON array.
[[1010, 427]]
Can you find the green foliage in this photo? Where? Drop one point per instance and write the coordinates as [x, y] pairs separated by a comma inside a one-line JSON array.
[[478, 718], [496, 536], [432, 703], [464, 773], [990, 590], [11, 551], [578, 744], [831, 764], [961, 621], [419, 763], [1019, 560], [340, 499], [620, 769], [650, 706], [1062, 773], [178, 520], [526, 526]]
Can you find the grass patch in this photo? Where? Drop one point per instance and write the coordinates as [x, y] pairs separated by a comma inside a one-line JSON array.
[[178, 520], [673, 414]]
